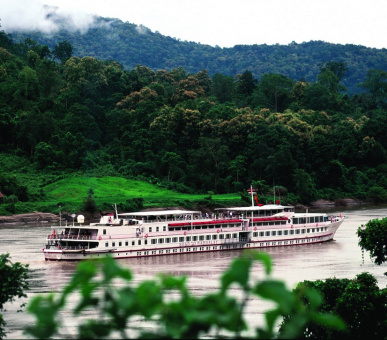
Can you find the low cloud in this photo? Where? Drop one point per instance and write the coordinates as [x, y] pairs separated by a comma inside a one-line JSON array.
[[27, 15]]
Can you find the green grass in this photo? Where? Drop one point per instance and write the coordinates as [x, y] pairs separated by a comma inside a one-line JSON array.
[[70, 192]]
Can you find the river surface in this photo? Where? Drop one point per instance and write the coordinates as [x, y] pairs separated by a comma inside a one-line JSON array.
[[340, 258]]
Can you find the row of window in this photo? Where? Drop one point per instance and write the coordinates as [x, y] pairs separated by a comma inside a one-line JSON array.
[[311, 219], [315, 219], [176, 239], [197, 238], [196, 227], [288, 232]]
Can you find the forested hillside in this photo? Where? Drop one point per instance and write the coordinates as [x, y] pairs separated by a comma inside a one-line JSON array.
[[129, 44], [189, 131]]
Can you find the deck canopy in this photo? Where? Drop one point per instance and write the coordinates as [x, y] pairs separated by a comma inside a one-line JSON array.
[[257, 208], [160, 213]]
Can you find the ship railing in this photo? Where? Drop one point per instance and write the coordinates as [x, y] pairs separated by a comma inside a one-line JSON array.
[[235, 240], [71, 237], [196, 218]]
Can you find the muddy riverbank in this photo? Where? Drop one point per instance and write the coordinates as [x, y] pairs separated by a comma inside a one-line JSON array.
[[40, 217]]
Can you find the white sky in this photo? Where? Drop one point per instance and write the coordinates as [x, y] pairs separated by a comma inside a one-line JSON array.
[[221, 22]]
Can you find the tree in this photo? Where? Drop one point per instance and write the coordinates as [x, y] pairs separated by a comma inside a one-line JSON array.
[[358, 302], [304, 185], [89, 203], [338, 68], [168, 303], [273, 91], [246, 83], [174, 165], [223, 87], [204, 81], [376, 84], [63, 51], [187, 89], [13, 283], [373, 238]]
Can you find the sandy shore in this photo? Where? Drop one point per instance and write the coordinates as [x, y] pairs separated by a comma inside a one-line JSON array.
[[30, 218]]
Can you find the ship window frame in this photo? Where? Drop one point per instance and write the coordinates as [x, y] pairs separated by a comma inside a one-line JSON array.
[[181, 239]]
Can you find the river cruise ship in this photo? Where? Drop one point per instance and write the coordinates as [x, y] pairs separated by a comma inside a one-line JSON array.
[[164, 232]]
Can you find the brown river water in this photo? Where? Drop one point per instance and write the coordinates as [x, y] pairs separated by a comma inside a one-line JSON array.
[[340, 258]]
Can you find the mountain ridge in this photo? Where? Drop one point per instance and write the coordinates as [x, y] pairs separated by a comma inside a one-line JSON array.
[[131, 45]]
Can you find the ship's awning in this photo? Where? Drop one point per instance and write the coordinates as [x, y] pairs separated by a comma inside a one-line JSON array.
[[159, 213]]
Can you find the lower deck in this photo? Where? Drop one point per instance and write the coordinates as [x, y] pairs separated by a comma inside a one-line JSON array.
[[242, 241]]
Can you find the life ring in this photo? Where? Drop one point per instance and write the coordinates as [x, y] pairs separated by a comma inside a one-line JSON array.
[[100, 238], [255, 228], [146, 235], [185, 233], [218, 231]]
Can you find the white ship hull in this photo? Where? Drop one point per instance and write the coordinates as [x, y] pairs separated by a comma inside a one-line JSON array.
[[188, 232]]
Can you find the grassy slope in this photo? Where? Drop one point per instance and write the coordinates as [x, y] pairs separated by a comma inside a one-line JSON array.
[[71, 191]]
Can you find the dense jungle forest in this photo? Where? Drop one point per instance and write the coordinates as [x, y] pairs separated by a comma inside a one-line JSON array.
[[192, 132], [130, 44]]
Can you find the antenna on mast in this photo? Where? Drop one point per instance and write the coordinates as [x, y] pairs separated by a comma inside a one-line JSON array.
[[274, 191]]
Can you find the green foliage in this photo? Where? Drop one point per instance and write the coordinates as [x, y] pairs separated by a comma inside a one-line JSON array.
[[189, 129], [168, 307], [89, 203], [13, 284], [373, 238], [10, 186], [358, 302], [130, 47]]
